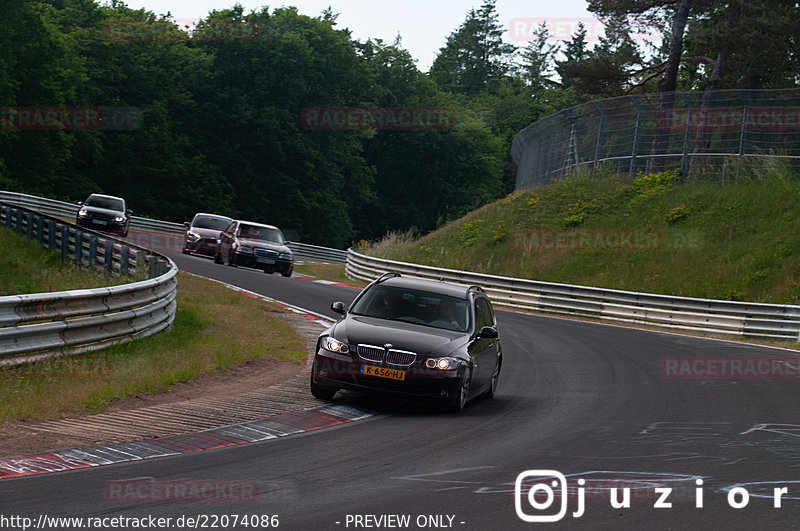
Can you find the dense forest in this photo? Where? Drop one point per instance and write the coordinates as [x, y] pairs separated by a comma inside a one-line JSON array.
[[214, 123]]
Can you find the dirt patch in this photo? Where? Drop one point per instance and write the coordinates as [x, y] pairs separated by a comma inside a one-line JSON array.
[[17, 439]]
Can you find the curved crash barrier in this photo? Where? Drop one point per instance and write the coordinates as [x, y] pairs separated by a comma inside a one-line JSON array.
[[718, 317], [36, 326]]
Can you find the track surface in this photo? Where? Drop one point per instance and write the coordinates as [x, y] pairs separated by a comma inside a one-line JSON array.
[[583, 399]]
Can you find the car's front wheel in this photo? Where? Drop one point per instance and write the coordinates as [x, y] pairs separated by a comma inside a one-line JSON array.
[[493, 384], [322, 392], [217, 258], [460, 400], [288, 272]]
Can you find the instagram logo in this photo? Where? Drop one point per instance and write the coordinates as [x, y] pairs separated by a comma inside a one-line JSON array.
[[540, 495]]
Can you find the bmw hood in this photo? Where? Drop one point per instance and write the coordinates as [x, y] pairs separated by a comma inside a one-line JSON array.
[[421, 339]]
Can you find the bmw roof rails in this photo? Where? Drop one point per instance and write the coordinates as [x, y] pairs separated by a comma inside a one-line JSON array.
[[385, 276]]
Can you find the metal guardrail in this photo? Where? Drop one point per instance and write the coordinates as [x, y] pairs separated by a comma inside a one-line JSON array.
[[726, 318], [37, 326], [63, 210], [304, 251]]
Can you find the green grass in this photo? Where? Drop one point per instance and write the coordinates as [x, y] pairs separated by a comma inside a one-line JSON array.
[[734, 241], [28, 267], [215, 328]]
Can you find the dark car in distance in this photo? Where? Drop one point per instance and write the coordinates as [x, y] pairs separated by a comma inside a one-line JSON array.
[[249, 244], [202, 234], [105, 213], [415, 338]]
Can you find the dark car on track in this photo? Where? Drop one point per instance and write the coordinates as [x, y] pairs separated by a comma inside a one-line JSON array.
[[249, 244], [202, 234], [105, 213], [416, 338]]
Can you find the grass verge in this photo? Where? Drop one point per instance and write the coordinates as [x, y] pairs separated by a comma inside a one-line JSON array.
[[215, 328], [733, 241], [50, 274]]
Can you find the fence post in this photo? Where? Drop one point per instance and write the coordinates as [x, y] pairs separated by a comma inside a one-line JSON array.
[[685, 156], [599, 135], [635, 131], [108, 256], [743, 129]]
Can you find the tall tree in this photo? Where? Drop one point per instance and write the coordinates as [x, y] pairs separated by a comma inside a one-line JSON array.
[[474, 59]]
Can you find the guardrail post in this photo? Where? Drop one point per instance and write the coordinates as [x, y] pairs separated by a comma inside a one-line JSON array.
[[40, 229], [9, 223], [30, 225], [124, 258], [64, 242], [108, 256], [92, 249], [19, 220], [51, 234], [78, 247]]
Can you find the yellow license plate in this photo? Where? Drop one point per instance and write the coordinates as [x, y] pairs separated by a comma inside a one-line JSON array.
[[382, 372]]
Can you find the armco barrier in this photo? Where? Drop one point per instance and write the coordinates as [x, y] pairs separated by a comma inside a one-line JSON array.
[[726, 318], [303, 251], [36, 326], [63, 210]]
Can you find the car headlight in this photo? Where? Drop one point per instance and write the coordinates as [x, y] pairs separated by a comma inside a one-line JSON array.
[[192, 237], [82, 212], [119, 219], [334, 345], [285, 256], [245, 249], [443, 364]]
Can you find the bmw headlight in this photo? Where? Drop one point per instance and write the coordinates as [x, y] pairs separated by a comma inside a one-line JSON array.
[[285, 256], [82, 212], [245, 249], [119, 219], [334, 345], [192, 237], [443, 364]]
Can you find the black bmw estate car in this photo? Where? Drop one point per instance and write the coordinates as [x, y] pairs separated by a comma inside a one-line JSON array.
[[416, 338]]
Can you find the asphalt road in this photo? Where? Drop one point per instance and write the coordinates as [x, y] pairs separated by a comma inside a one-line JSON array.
[[587, 400]]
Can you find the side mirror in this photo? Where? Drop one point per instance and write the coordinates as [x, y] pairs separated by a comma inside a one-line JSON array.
[[79, 202], [339, 307], [488, 332], [186, 225], [129, 212]]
